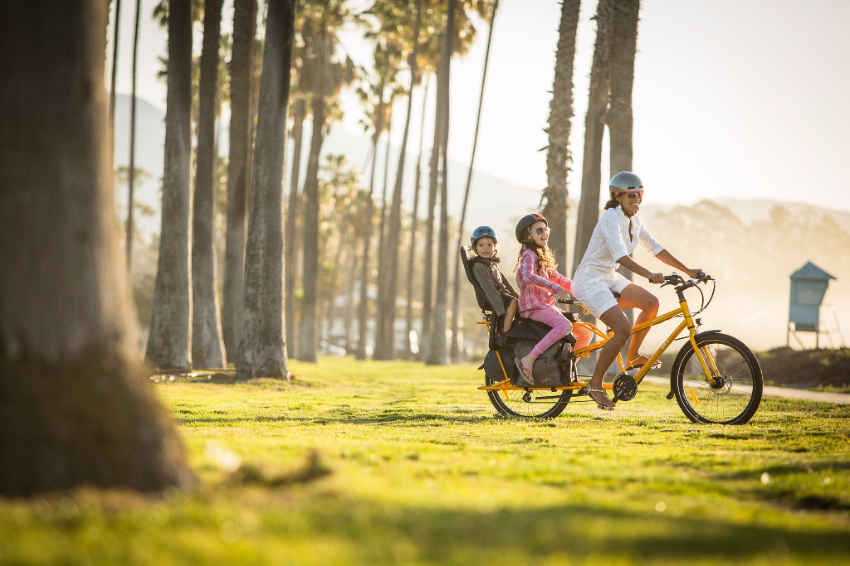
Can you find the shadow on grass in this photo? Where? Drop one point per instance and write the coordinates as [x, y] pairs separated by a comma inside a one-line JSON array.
[[436, 536], [372, 418]]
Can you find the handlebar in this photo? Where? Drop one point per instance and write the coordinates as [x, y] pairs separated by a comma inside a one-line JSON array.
[[677, 279]]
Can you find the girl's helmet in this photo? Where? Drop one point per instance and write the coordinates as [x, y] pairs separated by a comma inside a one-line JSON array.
[[525, 223], [625, 182], [483, 232]]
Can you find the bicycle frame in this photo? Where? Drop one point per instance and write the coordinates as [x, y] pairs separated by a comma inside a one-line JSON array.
[[688, 323], [702, 355]]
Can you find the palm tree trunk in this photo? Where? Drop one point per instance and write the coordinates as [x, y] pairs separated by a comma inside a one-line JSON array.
[[292, 212], [207, 346], [411, 265], [349, 297], [455, 350], [437, 348], [113, 79], [394, 235], [239, 168], [310, 219], [131, 175], [434, 180], [594, 129], [363, 304], [560, 125], [263, 353], [380, 340], [624, 24], [170, 331], [76, 405]]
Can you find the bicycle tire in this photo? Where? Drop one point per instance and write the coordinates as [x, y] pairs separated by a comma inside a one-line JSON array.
[[512, 403], [733, 400]]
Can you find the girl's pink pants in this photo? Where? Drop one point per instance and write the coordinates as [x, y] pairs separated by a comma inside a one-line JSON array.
[[554, 317]]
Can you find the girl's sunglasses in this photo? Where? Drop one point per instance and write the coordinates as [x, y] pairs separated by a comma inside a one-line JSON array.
[[542, 230]]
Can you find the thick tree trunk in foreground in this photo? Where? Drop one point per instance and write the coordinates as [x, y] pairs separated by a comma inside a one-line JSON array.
[[560, 123], [238, 171], [454, 350], [262, 352], [310, 222], [594, 129], [207, 346], [437, 347], [170, 337], [76, 406], [293, 211], [393, 241]]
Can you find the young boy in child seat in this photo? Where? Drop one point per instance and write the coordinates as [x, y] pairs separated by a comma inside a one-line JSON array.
[[485, 269]]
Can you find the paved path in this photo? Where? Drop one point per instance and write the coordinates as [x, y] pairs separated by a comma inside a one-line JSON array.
[[787, 392]]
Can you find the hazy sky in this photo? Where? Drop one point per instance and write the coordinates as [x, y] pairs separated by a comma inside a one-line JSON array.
[[741, 98]]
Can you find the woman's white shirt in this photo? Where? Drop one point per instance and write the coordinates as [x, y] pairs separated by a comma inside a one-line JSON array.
[[611, 241]]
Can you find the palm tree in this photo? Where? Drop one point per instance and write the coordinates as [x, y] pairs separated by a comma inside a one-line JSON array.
[[560, 123], [594, 129], [437, 348], [293, 211], [207, 346], [263, 352], [624, 24], [239, 168], [130, 183], [113, 79], [324, 75], [382, 67], [455, 350], [76, 407], [169, 339], [388, 292], [414, 221]]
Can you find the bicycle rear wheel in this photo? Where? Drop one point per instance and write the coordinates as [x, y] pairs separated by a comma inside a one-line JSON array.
[[532, 404], [736, 394]]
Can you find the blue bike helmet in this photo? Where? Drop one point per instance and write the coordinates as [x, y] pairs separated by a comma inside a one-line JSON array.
[[483, 232]]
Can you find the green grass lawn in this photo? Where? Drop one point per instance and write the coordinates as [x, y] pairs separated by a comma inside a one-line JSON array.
[[414, 466]]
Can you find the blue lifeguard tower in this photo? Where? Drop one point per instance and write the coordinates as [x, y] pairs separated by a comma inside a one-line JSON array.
[[808, 287]]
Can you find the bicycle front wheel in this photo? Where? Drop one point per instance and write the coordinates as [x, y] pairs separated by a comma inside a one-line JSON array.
[[735, 395], [531, 404]]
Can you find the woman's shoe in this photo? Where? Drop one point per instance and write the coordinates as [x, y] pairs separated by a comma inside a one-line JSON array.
[[638, 362], [591, 391]]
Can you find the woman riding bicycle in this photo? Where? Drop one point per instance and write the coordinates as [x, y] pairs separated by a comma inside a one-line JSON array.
[[615, 237]]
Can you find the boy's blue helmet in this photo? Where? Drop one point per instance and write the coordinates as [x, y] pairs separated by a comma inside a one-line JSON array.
[[483, 232]]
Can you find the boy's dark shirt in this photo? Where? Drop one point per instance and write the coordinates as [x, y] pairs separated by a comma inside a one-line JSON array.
[[492, 282]]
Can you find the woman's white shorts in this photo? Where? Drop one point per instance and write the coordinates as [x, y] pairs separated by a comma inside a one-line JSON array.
[[595, 290]]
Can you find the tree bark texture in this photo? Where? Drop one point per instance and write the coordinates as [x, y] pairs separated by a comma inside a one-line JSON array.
[[207, 346], [170, 332], [262, 352], [380, 339], [454, 352], [594, 130], [624, 25], [394, 232], [238, 170], [113, 80], [292, 216], [437, 348], [310, 223], [76, 405], [560, 124]]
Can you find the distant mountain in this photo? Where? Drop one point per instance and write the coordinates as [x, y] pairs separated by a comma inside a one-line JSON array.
[[493, 201]]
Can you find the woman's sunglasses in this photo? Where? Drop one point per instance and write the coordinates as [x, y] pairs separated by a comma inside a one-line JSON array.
[[634, 195]]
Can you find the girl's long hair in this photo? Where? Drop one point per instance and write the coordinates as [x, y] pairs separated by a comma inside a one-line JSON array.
[[545, 256]]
